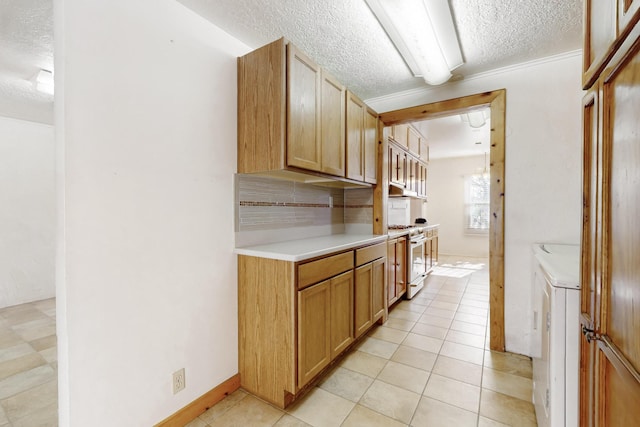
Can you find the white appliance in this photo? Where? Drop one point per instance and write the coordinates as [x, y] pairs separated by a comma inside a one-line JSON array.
[[556, 334], [416, 261]]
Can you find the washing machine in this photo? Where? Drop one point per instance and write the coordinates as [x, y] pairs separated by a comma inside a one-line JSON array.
[[556, 334]]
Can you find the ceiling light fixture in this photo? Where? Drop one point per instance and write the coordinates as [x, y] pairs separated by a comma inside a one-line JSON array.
[[475, 119], [43, 82], [424, 35]]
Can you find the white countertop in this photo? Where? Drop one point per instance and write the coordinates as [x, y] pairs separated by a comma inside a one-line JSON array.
[[300, 250], [561, 263]]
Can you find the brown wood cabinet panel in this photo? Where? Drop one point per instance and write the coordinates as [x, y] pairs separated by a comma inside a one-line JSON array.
[[621, 295], [314, 326], [355, 137], [266, 336], [413, 141], [370, 146], [333, 125], [424, 149], [396, 269], [628, 11], [363, 292], [397, 166], [262, 109], [618, 391], [324, 268], [304, 148], [341, 313], [586, 374], [378, 292], [400, 134], [599, 34], [370, 253]]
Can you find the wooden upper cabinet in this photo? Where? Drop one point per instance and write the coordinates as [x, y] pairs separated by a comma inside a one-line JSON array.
[[304, 148], [370, 145], [292, 116], [355, 137], [400, 134], [599, 35], [424, 149], [332, 125], [627, 15], [413, 141]]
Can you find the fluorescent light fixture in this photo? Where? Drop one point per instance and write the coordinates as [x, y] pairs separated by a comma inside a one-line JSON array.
[[44, 82], [424, 35], [476, 119]]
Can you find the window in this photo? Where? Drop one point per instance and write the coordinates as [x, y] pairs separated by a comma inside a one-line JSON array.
[[477, 204]]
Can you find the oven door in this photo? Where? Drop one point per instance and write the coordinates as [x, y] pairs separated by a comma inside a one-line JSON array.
[[417, 259]]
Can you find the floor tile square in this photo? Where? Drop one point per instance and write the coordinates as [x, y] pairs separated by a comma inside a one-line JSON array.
[[321, 408], [462, 352], [364, 363], [456, 393], [392, 401], [507, 409], [469, 328], [404, 376], [458, 370], [415, 357], [421, 342], [346, 383], [430, 330], [440, 322], [385, 333], [223, 406], [506, 383], [509, 362], [471, 318], [362, 416], [290, 421], [403, 325], [434, 413], [465, 338], [438, 312], [404, 315], [378, 347]]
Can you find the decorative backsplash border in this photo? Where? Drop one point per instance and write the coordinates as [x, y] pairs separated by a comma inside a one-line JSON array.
[[266, 203]]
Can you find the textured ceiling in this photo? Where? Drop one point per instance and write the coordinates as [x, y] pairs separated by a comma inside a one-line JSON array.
[[341, 35], [344, 37], [26, 46]]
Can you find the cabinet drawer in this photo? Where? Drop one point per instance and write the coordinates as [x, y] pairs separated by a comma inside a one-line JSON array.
[[370, 253], [429, 233], [319, 270]]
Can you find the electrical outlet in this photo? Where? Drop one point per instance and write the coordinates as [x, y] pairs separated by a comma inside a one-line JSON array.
[[178, 381]]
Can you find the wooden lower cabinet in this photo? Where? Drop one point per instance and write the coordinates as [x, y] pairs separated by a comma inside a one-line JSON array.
[[396, 269], [296, 318], [341, 313], [363, 309], [314, 331], [325, 324]]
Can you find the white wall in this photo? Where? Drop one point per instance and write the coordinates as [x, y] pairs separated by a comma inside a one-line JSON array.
[[543, 167], [146, 130], [27, 211], [446, 206]]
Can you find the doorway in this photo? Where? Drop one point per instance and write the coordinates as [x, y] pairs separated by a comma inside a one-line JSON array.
[[496, 102]]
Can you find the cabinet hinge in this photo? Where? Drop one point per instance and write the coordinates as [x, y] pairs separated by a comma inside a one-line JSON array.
[[590, 334]]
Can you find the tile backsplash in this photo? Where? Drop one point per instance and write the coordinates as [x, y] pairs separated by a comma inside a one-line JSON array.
[[264, 203]]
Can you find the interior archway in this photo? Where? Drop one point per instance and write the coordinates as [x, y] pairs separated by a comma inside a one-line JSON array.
[[496, 100]]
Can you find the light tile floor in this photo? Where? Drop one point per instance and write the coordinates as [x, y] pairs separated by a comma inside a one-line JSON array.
[[428, 365], [28, 365]]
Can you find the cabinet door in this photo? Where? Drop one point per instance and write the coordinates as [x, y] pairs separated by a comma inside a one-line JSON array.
[[401, 135], [314, 324], [363, 307], [370, 145], [341, 312], [401, 263], [424, 149], [599, 34], [378, 291], [303, 112], [355, 137], [413, 141], [397, 162], [391, 271], [332, 129]]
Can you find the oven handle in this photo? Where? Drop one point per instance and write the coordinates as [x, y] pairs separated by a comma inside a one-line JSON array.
[[418, 241]]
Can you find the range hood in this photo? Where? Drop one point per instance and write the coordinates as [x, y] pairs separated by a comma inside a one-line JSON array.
[[397, 191]]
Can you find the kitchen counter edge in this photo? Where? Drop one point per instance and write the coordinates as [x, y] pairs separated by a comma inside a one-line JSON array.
[[303, 249]]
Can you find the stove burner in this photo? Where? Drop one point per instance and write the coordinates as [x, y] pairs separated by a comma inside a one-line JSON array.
[[400, 227]]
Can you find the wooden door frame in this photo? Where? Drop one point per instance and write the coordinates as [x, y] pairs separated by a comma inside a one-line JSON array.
[[496, 100]]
